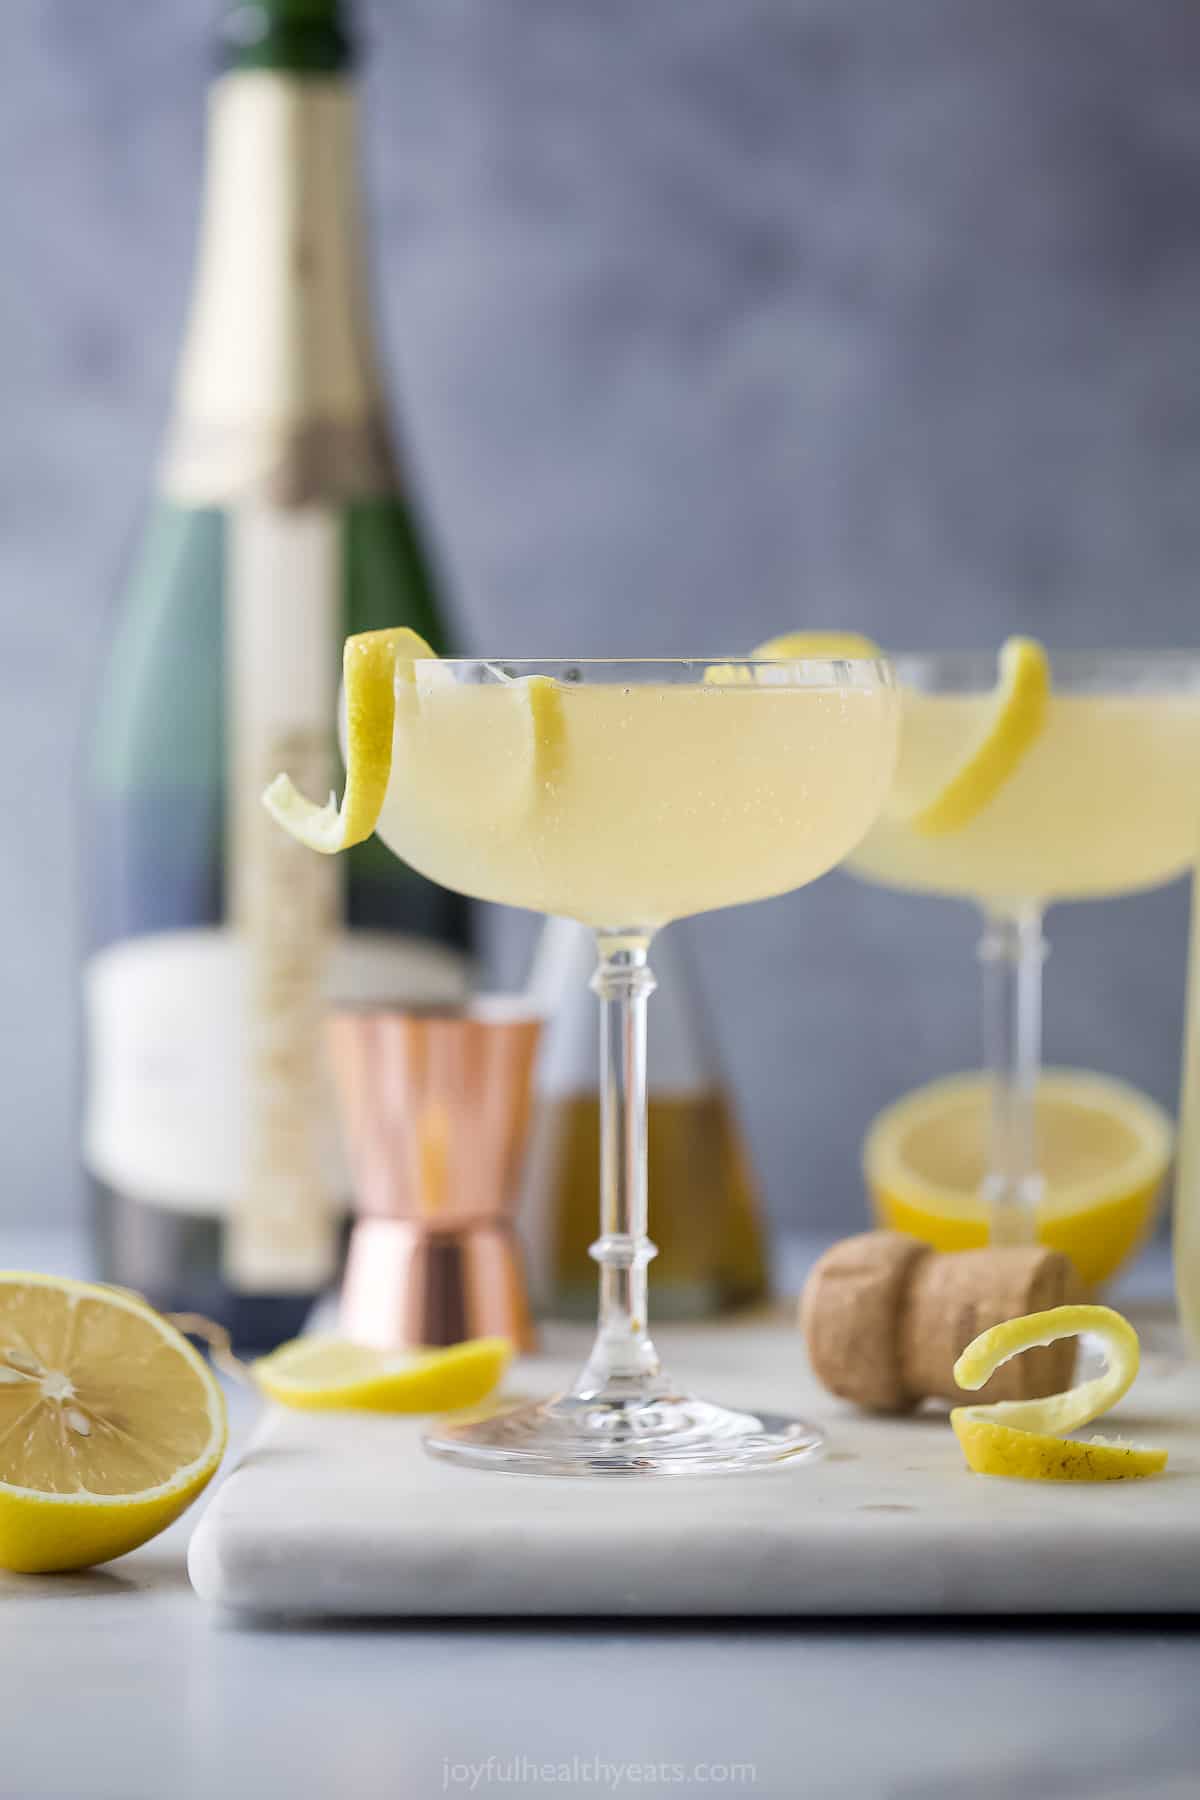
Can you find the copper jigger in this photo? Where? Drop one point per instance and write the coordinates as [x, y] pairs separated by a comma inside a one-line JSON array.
[[435, 1108]]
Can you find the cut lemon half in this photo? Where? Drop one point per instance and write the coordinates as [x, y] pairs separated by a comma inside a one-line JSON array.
[[373, 663], [1024, 1438], [1103, 1150], [325, 1374], [110, 1423], [794, 646], [968, 775]]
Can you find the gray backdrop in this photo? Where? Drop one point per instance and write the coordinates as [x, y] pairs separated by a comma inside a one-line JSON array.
[[708, 317]]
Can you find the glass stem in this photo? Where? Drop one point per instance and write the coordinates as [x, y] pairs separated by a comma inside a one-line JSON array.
[[1012, 950], [623, 1362]]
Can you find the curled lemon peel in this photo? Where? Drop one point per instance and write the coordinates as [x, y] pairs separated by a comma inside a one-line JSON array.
[[1013, 721], [1024, 1438], [548, 727], [374, 665], [794, 646], [834, 646]]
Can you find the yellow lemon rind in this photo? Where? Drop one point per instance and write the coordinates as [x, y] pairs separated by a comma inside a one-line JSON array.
[[826, 646], [1013, 723], [1099, 1222], [373, 662], [992, 1449], [436, 1380], [794, 646], [1022, 1438], [46, 1533], [548, 727]]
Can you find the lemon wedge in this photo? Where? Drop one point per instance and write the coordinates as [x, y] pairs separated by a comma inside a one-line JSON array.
[[326, 1374], [110, 1423], [1010, 724], [1103, 1150], [1024, 1438], [373, 663]]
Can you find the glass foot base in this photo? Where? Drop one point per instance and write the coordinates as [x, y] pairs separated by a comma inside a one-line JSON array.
[[668, 1434]]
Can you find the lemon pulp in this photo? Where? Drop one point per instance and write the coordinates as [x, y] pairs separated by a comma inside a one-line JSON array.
[[110, 1423], [1102, 1148]]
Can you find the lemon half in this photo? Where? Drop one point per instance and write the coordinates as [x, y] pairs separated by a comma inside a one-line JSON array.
[[110, 1423], [1023, 1437], [326, 1374], [1103, 1151]]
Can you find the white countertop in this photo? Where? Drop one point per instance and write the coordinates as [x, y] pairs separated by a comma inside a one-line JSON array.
[[120, 1686]]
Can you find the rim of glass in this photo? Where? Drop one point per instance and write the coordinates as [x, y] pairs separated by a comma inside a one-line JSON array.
[[1098, 670], [879, 669]]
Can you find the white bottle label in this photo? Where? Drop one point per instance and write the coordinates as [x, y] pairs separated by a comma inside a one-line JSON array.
[[282, 628], [169, 1101], [165, 1116]]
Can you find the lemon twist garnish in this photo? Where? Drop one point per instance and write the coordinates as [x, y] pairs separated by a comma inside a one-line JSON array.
[[1013, 721], [794, 646], [1023, 1437], [373, 662], [549, 727], [828, 646], [324, 1374]]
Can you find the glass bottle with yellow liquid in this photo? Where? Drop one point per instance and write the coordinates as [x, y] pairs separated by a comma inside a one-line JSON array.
[[711, 1249]]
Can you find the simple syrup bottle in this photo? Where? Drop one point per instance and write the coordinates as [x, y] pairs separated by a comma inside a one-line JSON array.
[[704, 1206]]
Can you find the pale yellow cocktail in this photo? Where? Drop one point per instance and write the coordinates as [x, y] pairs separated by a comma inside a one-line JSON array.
[[624, 795], [1104, 802], [633, 804], [1101, 798]]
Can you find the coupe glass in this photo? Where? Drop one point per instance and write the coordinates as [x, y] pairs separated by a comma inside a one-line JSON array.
[[1104, 802], [627, 794]]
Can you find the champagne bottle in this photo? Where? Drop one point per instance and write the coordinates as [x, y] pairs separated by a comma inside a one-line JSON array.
[[704, 1215], [215, 943]]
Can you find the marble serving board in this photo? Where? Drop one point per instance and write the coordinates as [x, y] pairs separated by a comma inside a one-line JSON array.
[[343, 1514]]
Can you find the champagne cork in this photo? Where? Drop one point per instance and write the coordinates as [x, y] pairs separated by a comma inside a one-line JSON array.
[[885, 1319]]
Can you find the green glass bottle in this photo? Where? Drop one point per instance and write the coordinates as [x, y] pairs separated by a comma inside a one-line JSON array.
[[215, 945]]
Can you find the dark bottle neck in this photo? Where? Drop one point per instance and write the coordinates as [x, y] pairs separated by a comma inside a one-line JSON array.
[[300, 37]]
